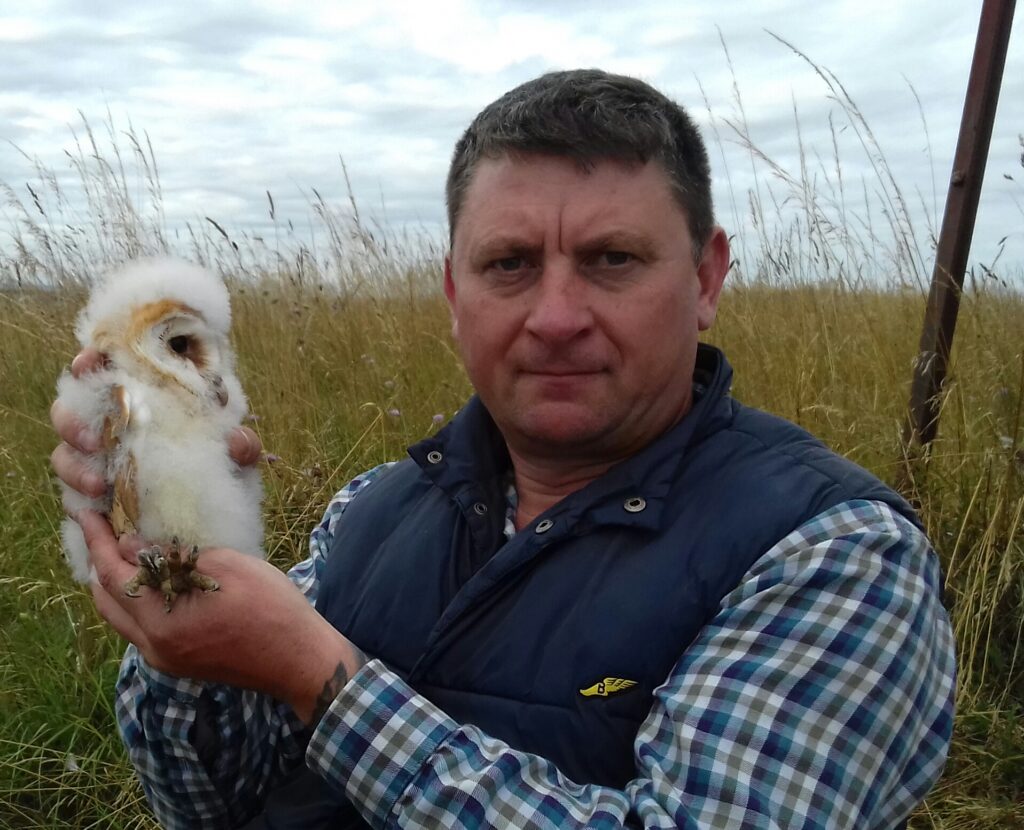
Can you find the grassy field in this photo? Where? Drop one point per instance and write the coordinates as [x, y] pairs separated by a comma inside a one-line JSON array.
[[344, 351], [341, 383]]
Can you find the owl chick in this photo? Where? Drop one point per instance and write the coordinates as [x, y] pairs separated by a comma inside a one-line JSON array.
[[163, 404]]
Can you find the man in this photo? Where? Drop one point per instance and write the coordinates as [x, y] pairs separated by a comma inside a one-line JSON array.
[[606, 594]]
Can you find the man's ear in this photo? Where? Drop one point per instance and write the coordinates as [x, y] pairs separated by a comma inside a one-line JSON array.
[[711, 271], [449, 293]]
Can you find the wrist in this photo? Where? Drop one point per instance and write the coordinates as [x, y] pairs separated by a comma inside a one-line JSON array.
[[335, 663]]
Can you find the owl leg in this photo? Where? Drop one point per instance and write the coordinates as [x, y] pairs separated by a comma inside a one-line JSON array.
[[174, 573], [147, 574], [166, 575], [195, 578]]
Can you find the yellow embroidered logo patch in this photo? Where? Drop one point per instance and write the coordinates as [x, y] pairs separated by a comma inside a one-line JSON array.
[[608, 686]]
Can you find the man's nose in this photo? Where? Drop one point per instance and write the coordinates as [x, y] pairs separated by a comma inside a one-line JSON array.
[[561, 305]]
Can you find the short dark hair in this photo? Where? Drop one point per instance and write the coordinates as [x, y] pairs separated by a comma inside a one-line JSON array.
[[589, 115]]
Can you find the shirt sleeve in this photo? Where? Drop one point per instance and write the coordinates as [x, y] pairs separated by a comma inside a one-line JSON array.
[[207, 754], [820, 695]]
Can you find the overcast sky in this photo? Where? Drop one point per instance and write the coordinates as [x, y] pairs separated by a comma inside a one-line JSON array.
[[241, 98]]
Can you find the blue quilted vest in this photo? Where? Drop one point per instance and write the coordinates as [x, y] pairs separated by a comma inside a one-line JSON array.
[[614, 581]]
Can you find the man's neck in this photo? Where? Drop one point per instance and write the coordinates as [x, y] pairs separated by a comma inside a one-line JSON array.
[[540, 486], [545, 476]]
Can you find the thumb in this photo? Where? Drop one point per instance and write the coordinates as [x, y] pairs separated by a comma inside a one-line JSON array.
[[111, 569], [129, 546]]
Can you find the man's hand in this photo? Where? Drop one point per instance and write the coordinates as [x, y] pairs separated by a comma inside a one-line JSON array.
[[258, 632]]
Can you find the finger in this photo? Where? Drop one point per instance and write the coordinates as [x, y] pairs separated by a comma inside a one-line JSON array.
[[244, 446], [70, 467], [119, 618], [71, 430], [129, 546], [87, 360], [111, 569]]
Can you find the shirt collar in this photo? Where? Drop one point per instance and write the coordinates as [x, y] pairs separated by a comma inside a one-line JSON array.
[[469, 459]]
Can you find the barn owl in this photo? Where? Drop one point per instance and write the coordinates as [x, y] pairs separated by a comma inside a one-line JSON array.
[[163, 404]]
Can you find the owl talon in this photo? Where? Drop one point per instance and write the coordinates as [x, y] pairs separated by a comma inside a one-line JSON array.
[[207, 584], [202, 581], [148, 573]]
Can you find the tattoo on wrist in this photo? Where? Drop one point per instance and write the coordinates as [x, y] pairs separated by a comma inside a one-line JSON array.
[[333, 686]]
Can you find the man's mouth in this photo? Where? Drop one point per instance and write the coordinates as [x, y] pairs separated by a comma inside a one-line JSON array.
[[561, 374], [562, 371]]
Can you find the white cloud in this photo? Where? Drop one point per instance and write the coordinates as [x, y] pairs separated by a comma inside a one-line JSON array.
[[239, 99]]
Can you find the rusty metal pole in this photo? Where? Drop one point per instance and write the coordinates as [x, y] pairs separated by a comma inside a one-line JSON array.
[[958, 222]]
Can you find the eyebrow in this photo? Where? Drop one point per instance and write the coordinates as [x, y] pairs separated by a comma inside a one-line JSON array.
[[504, 245], [513, 244], [617, 240]]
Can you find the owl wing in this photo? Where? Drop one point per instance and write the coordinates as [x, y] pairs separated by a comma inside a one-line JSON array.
[[115, 424], [124, 508]]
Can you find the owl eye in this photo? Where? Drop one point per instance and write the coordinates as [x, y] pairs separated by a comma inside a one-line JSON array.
[[178, 344]]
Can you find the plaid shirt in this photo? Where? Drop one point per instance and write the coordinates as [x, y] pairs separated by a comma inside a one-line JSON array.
[[820, 696]]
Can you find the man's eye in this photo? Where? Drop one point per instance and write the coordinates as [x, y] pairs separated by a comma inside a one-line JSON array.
[[615, 258], [509, 264]]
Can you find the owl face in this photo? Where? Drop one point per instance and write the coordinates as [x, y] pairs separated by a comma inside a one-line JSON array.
[[192, 353], [169, 344]]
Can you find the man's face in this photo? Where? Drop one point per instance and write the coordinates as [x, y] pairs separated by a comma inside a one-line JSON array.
[[576, 303]]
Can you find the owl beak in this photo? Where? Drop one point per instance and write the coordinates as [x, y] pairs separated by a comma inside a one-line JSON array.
[[218, 388]]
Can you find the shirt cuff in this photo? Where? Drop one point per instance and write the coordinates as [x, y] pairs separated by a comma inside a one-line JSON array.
[[374, 739], [160, 684]]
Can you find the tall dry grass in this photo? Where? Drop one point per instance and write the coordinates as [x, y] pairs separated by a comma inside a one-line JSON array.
[[345, 352]]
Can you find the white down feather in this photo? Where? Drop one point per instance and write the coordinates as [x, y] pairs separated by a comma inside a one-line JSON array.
[[187, 484]]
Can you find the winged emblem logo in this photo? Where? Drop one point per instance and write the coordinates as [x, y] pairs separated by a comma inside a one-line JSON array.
[[608, 686]]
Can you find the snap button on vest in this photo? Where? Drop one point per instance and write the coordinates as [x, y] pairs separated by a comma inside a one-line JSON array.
[[635, 504], [434, 457], [543, 526], [480, 508]]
